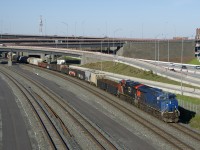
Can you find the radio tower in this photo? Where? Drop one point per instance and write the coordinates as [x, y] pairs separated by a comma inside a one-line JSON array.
[[41, 25]]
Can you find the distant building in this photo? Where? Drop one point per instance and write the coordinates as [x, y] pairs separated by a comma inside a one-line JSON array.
[[197, 46], [197, 37], [180, 38]]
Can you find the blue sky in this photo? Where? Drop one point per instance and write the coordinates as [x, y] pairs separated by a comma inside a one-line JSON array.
[[119, 18]]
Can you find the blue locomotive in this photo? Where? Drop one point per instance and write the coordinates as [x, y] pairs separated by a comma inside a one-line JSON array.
[[163, 105], [155, 101]]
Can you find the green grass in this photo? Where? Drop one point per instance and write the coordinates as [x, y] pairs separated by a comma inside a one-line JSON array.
[[195, 122], [194, 62], [70, 58], [192, 100]]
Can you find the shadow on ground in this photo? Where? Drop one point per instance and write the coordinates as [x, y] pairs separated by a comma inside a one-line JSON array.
[[185, 115]]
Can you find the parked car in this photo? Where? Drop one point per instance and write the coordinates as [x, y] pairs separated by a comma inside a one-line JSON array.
[[172, 69], [183, 67], [197, 67], [171, 65]]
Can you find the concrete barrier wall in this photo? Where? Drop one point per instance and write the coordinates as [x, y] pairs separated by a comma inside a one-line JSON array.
[[149, 50]]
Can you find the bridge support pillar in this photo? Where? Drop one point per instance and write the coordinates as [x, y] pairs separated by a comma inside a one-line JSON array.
[[10, 60], [120, 51], [42, 56], [52, 57], [20, 54]]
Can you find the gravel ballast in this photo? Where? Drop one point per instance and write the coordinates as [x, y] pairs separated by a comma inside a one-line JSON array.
[[115, 114]]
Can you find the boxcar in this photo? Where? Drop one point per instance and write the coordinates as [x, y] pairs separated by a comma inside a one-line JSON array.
[[101, 84], [42, 64], [60, 67], [72, 72], [94, 76], [53, 67], [87, 75], [80, 74], [34, 61], [111, 86], [65, 69]]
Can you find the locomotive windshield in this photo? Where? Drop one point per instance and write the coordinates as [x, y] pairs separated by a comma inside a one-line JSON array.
[[165, 96]]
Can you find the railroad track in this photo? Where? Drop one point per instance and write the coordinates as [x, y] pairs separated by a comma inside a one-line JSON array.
[[174, 141], [187, 131], [100, 141], [54, 136]]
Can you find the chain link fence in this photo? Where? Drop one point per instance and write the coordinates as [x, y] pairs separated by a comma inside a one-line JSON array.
[[189, 106]]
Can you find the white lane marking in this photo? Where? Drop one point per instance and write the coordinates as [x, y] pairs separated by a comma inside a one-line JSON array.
[[1, 131]]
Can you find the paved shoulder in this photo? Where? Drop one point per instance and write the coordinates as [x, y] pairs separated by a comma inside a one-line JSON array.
[[1, 132], [13, 133]]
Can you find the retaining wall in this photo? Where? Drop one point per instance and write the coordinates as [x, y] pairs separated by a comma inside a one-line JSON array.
[[149, 50]]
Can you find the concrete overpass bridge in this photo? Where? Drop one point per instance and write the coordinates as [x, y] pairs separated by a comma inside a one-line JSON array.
[[82, 43], [86, 56], [153, 49]]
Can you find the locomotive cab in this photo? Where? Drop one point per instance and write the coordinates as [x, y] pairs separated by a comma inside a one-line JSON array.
[[169, 107], [162, 104]]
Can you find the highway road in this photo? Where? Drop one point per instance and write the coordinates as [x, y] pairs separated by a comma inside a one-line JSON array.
[[13, 131], [186, 78], [190, 70]]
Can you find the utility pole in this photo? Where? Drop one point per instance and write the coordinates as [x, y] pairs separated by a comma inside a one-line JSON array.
[[181, 66], [41, 26]]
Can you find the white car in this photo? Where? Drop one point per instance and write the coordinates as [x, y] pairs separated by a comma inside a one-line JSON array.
[[197, 67]]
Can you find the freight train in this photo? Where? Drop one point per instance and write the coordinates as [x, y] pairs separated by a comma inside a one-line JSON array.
[[163, 105], [24, 59]]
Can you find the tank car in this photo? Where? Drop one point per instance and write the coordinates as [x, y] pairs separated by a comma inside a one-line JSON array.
[[23, 59]]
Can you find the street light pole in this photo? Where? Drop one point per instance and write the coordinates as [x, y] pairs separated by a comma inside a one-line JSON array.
[[1, 29], [158, 52], [67, 35], [108, 46], [181, 69], [168, 49], [82, 24], [101, 55], [75, 30], [155, 51], [156, 42], [67, 31]]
